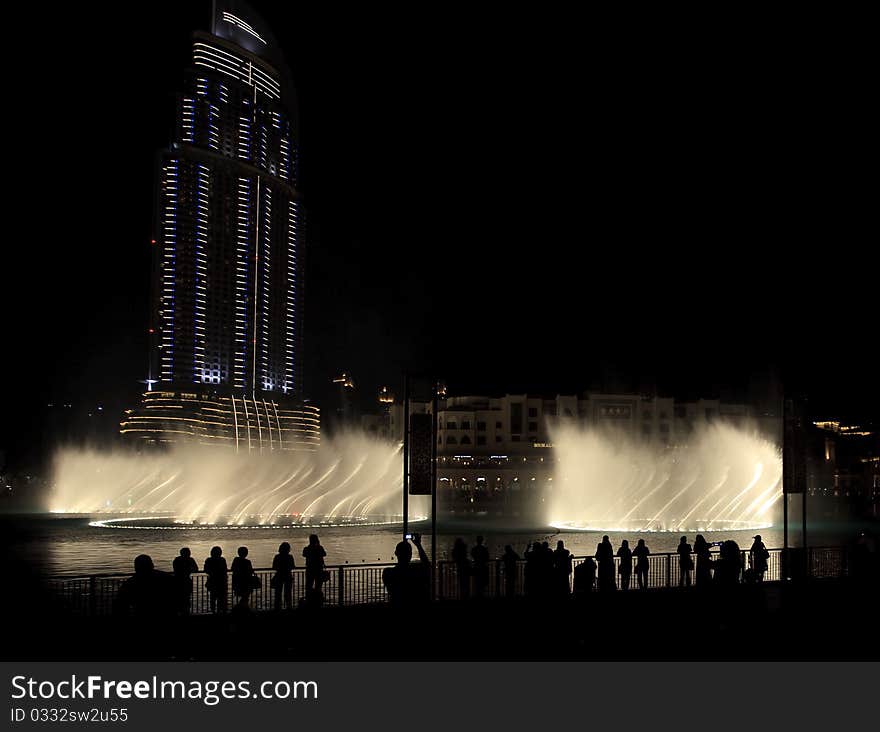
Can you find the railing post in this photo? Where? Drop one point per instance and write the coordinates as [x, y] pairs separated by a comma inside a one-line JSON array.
[[93, 595], [341, 588], [668, 571]]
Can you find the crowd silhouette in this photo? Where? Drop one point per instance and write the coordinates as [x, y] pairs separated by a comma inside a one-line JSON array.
[[553, 573], [545, 573], [154, 592]]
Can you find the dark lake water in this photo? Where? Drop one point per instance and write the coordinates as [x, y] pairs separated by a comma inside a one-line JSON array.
[[69, 546]]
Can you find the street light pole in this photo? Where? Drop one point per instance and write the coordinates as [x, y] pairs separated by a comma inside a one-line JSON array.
[[405, 454], [434, 403]]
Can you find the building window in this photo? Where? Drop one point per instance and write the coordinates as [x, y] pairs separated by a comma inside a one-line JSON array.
[[498, 425], [481, 439], [451, 426], [465, 440], [466, 425], [664, 428], [516, 413], [481, 426], [680, 412], [533, 411], [451, 440]]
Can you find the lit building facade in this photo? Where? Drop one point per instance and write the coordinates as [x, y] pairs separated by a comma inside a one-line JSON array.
[[226, 321]]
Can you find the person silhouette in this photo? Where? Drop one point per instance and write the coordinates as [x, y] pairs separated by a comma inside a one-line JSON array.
[[584, 577], [148, 592], [532, 571], [728, 565], [562, 569], [480, 556], [758, 556], [314, 555], [184, 566], [703, 575], [641, 553], [605, 559], [462, 568], [685, 562], [217, 583], [282, 581], [545, 563], [407, 583], [625, 567], [510, 563], [242, 577]]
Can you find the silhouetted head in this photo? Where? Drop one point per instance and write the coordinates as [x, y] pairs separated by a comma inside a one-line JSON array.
[[536, 546], [284, 548], [545, 545], [313, 539], [185, 552], [143, 564], [757, 538], [479, 540], [403, 552], [560, 544], [216, 551], [242, 551], [684, 540], [641, 542], [459, 541], [699, 539], [605, 539], [624, 544], [508, 549]]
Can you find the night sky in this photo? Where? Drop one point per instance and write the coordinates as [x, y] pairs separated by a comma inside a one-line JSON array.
[[515, 202]]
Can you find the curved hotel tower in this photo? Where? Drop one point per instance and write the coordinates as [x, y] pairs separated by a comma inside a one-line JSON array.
[[226, 320]]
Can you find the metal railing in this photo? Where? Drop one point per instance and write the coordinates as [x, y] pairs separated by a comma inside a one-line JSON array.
[[362, 583]]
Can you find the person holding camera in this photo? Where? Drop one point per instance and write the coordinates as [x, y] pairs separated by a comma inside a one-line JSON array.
[[408, 584]]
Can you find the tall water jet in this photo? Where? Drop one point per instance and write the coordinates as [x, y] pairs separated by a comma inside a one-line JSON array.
[[352, 478], [724, 478]]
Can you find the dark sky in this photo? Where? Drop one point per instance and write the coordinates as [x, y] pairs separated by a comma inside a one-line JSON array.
[[516, 201]]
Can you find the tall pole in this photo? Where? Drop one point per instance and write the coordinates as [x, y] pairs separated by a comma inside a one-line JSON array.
[[802, 475], [434, 403], [786, 468], [405, 454]]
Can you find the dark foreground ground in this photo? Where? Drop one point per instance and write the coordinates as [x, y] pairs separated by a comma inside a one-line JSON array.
[[822, 619]]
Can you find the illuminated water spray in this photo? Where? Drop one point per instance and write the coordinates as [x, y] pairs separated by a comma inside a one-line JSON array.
[[725, 478], [350, 479]]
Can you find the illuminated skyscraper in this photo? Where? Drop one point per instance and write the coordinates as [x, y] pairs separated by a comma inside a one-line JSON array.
[[228, 278]]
